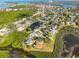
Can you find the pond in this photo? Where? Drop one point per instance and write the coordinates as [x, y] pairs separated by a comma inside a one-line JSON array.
[[71, 46]]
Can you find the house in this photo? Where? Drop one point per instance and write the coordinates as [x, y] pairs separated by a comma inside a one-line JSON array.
[[54, 32], [38, 44], [8, 9], [36, 33], [29, 41], [4, 31], [35, 38], [54, 29], [20, 27], [71, 23], [15, 9], [28, 22]]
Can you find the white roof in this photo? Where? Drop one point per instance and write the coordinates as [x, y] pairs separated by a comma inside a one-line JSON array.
[[29, 41], [4, 31]]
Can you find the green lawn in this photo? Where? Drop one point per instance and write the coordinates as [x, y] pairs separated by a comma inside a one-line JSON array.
[[11, 16], [4, 54], [15, 39]]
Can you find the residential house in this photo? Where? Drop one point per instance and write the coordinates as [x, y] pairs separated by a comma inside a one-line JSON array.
[[38, 45], [20, 27], [4, 31], [29, 41]]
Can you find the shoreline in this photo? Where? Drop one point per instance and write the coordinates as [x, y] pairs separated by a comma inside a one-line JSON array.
[[64, 4]]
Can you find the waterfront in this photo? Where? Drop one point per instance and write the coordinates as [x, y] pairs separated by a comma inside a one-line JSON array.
[[4, 6], [5, 3], [38, 30]]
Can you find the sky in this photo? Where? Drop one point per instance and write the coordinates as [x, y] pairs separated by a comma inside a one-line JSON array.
[[38, 0]]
